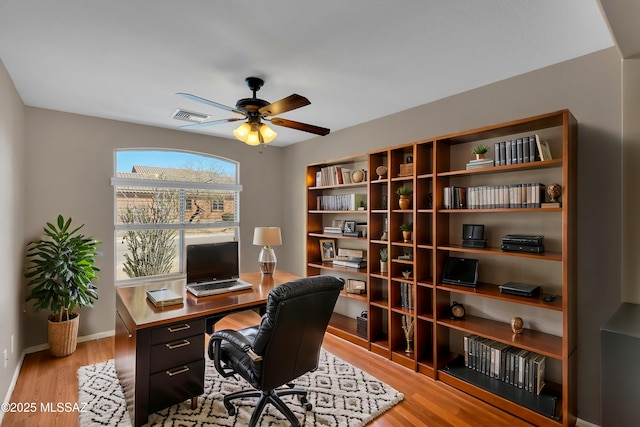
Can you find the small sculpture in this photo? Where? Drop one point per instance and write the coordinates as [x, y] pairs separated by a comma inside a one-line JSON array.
[[554, 191], [381, 171], [517, 325]]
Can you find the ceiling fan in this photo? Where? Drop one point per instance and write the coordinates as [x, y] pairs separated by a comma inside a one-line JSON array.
[[254, 110]]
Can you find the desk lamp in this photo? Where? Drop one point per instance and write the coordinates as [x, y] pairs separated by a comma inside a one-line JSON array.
[[267, 237]]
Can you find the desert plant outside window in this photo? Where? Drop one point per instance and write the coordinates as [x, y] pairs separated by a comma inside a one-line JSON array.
[[162, 201]]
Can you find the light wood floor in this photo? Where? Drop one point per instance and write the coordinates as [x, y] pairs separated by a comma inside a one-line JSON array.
[[46, 379]]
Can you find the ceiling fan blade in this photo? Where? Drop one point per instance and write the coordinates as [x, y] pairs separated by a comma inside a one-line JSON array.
[[206, 101], [289, 103], [205, 124], [300, 126]]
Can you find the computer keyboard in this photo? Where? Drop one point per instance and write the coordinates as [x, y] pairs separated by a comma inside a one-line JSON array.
[[211, 286], [205, 289]]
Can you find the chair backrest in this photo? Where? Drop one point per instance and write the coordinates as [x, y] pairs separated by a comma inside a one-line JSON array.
[[293, 327]]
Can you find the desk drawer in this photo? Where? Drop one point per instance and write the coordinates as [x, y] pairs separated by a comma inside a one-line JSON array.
[[178, 352], [175, 385], [176, 331]]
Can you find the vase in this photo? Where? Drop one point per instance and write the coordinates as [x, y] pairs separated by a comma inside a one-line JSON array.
[[406, 235], [479, 156], [383, 266], [409, 349], [404, 202], [63, 336]]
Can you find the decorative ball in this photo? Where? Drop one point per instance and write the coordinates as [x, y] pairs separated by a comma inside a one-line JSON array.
[[517, 324], [381, 171], [357, 176]]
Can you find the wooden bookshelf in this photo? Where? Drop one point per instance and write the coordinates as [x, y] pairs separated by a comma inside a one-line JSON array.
[[437, 340]]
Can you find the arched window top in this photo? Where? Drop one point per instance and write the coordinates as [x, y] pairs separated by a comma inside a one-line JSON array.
[[175, 165]]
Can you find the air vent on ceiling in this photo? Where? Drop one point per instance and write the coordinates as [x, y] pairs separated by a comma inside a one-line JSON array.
[[189, 116]]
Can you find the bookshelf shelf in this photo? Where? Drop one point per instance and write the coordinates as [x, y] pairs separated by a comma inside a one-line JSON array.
[[487, 290]]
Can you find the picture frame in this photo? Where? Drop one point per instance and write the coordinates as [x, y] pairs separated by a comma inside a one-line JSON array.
[[355, 286], [327, 249], [349, 226]]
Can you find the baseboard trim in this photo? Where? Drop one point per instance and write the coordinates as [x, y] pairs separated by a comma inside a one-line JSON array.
[[14, 381], [583, 423], [92, 337]]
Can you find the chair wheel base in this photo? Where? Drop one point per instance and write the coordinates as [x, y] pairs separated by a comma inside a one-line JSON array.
[[305, 403], [231, 410]]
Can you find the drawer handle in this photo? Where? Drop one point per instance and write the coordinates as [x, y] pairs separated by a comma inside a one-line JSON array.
[[179, 371], [179, 328], [174, 345]]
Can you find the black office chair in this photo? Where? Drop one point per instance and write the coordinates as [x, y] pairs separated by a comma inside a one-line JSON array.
[[283, 347]]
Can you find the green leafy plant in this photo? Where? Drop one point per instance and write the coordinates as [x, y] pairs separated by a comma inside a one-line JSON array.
[[62, 270], [384, 254], [479, 149], [404, 191], [407, 226]]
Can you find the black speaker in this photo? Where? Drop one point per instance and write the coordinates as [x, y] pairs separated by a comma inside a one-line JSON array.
[[472, 232]]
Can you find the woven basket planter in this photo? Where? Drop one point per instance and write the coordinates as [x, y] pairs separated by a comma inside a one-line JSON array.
[[63, 336]]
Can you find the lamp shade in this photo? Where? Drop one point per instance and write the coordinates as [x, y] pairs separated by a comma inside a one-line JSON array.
[[267, 236]]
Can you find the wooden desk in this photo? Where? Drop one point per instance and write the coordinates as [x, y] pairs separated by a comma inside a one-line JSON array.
[[159, 352]]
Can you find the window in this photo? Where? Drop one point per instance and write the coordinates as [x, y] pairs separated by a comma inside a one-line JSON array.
[[161, 200], [217, 205]]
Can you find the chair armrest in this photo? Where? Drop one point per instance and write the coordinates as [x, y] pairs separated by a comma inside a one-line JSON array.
[[236, 339]]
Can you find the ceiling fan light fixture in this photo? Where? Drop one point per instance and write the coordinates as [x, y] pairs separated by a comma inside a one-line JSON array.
[[242, 132], [250, 133], [253, 138], [268, 134]]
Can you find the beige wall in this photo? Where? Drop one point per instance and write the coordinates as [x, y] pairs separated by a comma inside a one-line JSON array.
[[588, 86], [12, 208], [69, 167]]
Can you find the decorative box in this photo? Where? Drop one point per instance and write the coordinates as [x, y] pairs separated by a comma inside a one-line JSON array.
[[406, 169]]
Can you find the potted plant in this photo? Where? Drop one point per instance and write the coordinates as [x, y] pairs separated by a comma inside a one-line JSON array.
[[480, 150], [384, 260], [406, 229], [405, 196], [61, 272]]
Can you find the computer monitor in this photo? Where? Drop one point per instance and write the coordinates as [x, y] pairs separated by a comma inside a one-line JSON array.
[[212, 261]]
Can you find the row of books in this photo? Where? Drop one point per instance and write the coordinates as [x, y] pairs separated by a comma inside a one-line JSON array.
[[333, 175], [341, 202], [494, 196], [520, 368], [521, 150], [407, 296]]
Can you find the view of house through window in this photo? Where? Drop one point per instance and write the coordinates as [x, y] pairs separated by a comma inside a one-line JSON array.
[[165, 200]]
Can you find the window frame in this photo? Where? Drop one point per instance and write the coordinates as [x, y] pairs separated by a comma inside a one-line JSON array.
[[182, 226]]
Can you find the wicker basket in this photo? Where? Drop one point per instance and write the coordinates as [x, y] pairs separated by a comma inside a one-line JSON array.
[[63, 336]]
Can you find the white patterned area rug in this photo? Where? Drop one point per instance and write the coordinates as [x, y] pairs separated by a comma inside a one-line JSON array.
[[341, 394]]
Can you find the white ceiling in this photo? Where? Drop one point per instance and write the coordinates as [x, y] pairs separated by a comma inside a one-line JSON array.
[[355, 60]]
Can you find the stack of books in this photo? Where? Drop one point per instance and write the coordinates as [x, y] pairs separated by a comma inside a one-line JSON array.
[[480, 163], [350, 262], [332, 230], [350, 258]]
